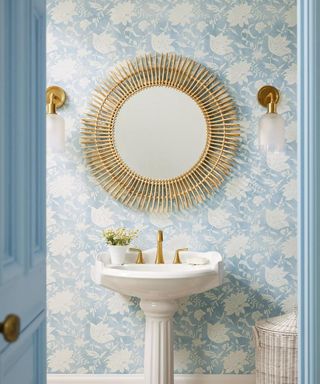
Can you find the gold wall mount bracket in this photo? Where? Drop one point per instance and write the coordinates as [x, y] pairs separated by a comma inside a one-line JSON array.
[[268, 94], [55, 98]]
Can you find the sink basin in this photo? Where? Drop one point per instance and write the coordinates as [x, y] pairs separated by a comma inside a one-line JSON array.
[[158, 286], [162, 281]]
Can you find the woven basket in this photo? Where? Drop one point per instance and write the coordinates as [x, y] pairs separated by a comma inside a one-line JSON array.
[[277, 350]]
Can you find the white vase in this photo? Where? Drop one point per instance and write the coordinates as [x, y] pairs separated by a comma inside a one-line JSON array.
[[118, 253]]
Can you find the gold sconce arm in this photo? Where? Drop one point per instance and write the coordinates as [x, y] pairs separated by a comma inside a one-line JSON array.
[[268, 97], [55, 98], [139, 259], [176, 259]]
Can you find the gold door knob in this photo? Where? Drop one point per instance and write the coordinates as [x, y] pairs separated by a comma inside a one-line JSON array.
[[10, 328]]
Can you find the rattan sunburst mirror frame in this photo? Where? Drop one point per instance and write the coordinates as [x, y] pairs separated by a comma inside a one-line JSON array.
[[163, 195]]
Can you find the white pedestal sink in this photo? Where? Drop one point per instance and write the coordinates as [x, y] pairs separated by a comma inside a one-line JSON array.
[[159, 286]]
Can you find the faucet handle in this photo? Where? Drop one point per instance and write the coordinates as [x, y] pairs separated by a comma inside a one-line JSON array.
[[139, 259], [176, 259]]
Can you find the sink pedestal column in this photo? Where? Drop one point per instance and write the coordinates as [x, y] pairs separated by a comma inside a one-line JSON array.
[[158, 352]]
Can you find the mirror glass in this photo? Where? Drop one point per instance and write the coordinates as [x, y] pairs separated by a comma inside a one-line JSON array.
[[160, 132]]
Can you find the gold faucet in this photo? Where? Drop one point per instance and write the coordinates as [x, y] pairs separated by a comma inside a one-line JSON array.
[[139, 259], [159, 256], [177, 259]]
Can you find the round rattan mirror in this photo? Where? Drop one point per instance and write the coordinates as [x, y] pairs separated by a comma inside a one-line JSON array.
[[161, 133]]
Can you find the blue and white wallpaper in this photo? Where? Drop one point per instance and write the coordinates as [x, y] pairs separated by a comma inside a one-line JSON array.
[[251, 220]]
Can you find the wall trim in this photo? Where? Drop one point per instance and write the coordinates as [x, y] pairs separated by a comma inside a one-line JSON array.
[[138, 379], [309, 189]]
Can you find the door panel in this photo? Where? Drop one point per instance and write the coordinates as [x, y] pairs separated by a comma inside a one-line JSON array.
[[22, 363], [22, 187]]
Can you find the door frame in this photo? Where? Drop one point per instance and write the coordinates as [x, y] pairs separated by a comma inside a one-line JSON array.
[[309, 189]]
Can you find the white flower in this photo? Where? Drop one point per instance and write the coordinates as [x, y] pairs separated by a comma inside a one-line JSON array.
[[290, 190], [235, 304], [61, 302], [257, 258], [81, 371], [291, 16], [160, 221], [199, 53], [275, 276], [83, 198], [290, 74], [51, 41], [181, 14], [239, 15], [100, 333], [82, 314], [258, 54], [237, 188], [217, 333], [237, 245], [291, 132], [289, 248], [260, 27], [50, 335], [103, 42], [277, 161], [220, 44], [278, 45], [63, 69], [161, 43], [62, 244], [143, 25], [234, 362], [122, 13], [257, 200], [218, 218], [199, 313], [118, 304], [197, 342], [119, 360], [62, 186], [102, 217], [201, 26], [181, 240], [239, 72], [50, 275], [276, 218], [60, 361], [290, 303], [63, 11], [50, 217], [84, 24], [181, 359]]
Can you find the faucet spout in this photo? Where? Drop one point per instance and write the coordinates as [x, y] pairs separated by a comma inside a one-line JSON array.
[[159, 256]]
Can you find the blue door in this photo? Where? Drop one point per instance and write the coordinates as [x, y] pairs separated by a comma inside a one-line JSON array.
[[22, 191]]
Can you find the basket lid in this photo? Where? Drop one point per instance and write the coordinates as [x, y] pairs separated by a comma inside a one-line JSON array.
[[285, 323]]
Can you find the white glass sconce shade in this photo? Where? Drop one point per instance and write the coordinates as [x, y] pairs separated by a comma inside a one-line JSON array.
[[55, 98], [55, 133], [271, 134], [271, 137]]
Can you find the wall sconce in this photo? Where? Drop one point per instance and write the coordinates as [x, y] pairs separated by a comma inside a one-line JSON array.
[[271, 136], [55, 98]]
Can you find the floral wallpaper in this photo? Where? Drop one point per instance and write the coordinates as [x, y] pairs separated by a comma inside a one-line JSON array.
[[250, 220]]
